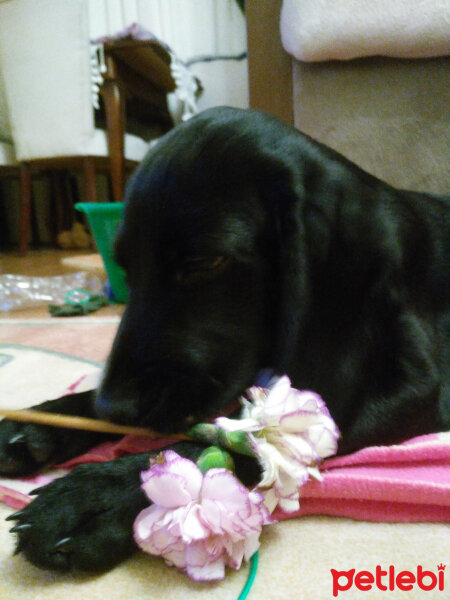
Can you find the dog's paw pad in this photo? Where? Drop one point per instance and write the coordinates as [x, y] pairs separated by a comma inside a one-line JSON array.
[[83, 521]]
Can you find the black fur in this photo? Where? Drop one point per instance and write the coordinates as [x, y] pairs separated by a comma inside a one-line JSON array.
[[249, 246]]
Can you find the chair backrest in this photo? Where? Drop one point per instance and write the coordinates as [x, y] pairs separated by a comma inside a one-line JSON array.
[[5, 125], [45, 61]]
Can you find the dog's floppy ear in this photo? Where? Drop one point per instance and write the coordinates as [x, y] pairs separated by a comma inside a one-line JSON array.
[[284, 197]]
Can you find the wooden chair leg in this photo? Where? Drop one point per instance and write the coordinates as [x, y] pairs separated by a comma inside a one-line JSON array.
[[114, 103], [90, 186], [25, 208], [59, 221]]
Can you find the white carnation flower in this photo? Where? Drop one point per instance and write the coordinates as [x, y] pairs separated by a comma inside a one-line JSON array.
[[291, 431]]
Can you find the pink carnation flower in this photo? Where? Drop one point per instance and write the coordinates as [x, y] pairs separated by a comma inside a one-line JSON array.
[[291, 431], [198, 523]]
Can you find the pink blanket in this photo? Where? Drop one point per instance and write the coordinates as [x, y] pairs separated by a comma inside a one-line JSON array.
[[405, 482]]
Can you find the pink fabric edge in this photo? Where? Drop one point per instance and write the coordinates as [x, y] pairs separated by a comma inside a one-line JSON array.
[[427, 447], [344, 486], [14, 498], [363, 510]]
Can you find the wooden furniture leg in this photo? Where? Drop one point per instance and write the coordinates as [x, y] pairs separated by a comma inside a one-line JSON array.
[[90, 185], [57, 203], [267, 55], [114, 104], [25, 208]]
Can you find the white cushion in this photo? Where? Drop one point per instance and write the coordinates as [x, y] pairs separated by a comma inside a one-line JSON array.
[[7, 155], [44, 50], [317, 30], [5, 127], [46, 68], [135, 147]]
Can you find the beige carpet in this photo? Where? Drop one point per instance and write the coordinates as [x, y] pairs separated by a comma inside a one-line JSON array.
[[295, 556]]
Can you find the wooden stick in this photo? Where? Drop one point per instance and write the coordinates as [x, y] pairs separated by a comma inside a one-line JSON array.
[[83, 423]]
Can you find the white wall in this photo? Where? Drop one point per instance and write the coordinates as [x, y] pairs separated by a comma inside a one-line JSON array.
[[192, 28]]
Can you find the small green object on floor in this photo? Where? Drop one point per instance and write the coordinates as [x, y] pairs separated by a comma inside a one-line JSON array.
[[74, 309]]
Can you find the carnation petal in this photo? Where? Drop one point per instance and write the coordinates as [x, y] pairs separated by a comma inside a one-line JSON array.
[[251, 545], [159, 543], [192, 527], [213, 571], [289, 505], [279, 392], [297, 448], [288, 485], [308, 400], [222, 486], [213, 516], [176, 558], [324, 437], [274, 461], [167, 489], [298, 421], [235, 556], [238, 424], [171, 456], [270, 499], [146, 520], [314, 472], [187, 469]]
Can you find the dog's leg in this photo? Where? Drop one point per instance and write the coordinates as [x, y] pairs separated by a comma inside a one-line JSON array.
[[409, 403], [84, 521], [24, 448]]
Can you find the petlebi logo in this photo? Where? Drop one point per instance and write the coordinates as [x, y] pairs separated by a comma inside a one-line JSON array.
[[388, 579]]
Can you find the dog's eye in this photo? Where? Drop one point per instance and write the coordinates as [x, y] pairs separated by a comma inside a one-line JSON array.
[[200, 268]]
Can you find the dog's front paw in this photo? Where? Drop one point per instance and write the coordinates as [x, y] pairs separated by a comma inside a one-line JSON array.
[[24, 448], [83, 521]]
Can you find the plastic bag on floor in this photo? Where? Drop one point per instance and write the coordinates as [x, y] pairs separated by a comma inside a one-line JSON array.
[[20, 291]]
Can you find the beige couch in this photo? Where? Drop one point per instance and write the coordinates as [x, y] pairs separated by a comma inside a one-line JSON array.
[[388, 114]]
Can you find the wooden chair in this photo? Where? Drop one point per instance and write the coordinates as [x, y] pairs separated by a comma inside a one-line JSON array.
[[46, 65]]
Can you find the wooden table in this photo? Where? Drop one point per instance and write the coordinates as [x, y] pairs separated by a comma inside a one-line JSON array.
[[135, 85]]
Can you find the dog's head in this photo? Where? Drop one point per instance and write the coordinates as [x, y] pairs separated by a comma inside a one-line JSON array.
[[212, 246]]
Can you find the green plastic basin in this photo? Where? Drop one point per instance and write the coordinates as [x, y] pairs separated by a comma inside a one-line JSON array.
[[103, 219]]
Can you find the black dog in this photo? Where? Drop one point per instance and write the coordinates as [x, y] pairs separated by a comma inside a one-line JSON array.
[[248, 246]]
